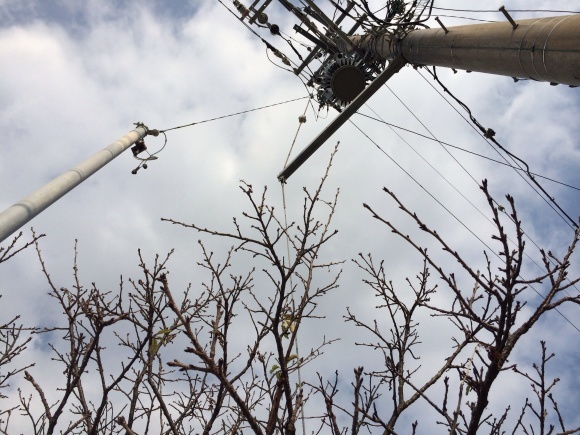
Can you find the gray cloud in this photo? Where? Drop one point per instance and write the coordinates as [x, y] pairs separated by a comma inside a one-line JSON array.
[[74, 79]]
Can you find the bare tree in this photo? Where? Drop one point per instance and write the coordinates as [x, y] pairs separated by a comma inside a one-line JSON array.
[[489, 319], [150, 358], [14, 337], [219, 385]]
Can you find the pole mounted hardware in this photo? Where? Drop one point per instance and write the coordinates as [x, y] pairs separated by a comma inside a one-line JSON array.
[[334, 65], [346, 54], [508, 16], [342, 71], [441, 24], [394, 67], [140, 147]]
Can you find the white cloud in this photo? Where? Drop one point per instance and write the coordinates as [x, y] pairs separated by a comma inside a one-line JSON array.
[[69, 90]]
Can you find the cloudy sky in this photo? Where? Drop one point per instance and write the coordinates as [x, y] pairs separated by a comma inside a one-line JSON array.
[[75, 76]]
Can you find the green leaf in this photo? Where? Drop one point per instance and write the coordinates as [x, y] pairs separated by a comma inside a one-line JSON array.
[[274, 368], [163, 332], [154, 346], [292, 357]]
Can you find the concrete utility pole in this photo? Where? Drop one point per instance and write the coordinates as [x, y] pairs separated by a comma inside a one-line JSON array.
[[542, 49], [16, 216]]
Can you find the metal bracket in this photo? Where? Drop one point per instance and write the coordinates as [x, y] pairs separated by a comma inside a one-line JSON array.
[[442, 26], [139, 147], [508, 16]]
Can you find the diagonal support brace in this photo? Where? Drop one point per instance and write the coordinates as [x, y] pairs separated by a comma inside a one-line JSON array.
[[393, 68]]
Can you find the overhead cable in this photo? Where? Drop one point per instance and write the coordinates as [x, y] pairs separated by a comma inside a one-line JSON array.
[[232, 114], [489, 134], [378, 119], [449, 211], [511, 10]]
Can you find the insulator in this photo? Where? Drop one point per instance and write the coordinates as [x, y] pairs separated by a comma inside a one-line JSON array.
[[242, 9], [280, 55], [343, 47]]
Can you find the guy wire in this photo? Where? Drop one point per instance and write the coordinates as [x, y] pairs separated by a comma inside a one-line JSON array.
[[300, 122]]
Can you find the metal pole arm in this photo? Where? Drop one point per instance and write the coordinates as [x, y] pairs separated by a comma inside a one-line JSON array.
[[358, 102], [23, 211]]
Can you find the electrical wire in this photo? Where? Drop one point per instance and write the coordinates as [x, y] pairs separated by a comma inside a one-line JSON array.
[[301, 121], [453, 157], [438, 172], [489, 134], [468, 18], [232, 114], [448, 182], [420, 185], [432, 135], [394, 126], [515, 168], [511, 10], [447, 210]]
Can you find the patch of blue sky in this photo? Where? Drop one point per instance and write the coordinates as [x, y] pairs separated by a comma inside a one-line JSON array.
[[76, 17]]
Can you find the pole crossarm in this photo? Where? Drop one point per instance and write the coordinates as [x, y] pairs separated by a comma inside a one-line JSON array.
[[542, 49], [394, 66], [23, 211]]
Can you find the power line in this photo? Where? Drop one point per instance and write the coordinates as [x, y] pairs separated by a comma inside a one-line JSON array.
[[511, 10], [489, 134], [515, 168], [467, 18], [420, 185], [464, 150], [448, 211], [232, 114], [439, 173], [473, 205], [429, 131]]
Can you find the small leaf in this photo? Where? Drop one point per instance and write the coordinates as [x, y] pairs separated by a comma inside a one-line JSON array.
[[154, 346], [163, 332], [292, 357], [274, 368]]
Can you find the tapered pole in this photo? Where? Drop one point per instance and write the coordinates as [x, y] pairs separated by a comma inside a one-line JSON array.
[[23, 211], [543, 49]]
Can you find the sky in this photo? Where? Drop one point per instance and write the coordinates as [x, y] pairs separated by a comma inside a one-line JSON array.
[[75, 76]]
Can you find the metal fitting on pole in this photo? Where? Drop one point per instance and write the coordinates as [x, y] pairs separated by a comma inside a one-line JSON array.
[[442, 25], [509, 17]]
